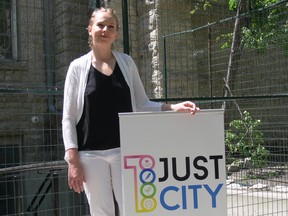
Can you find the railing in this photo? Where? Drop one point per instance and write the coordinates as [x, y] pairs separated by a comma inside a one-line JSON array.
[[50, 183]]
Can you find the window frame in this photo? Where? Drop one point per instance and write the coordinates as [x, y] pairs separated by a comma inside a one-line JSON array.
[[13, 34]]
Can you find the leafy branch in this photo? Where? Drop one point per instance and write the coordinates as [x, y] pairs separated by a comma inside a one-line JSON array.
[[244, 139]]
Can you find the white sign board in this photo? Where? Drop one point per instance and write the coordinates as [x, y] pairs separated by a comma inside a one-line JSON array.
[[173, 163]]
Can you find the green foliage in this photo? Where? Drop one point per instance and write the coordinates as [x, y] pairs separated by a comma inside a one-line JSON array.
[[245, 140], [264, 25], [232, 4], [253, 5], [202, 4], [225, 39]]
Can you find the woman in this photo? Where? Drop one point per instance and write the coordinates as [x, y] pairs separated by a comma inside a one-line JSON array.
[[98, 86]]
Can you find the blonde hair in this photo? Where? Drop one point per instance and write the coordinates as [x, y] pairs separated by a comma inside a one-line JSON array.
[[93, 17]]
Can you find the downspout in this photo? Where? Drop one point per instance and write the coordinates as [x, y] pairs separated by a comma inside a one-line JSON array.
[[97, 4], [165, 67], [125, 26], [49, 53]]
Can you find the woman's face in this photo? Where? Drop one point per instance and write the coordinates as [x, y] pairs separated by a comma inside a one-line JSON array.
[[103, 29]]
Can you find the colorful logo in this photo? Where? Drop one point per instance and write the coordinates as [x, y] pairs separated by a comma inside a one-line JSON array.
[[144, 179]]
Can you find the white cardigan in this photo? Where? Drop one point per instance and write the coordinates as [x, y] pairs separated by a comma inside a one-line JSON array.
[[75, 85]]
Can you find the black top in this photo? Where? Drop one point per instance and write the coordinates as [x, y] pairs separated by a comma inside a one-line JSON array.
[[104, 97]]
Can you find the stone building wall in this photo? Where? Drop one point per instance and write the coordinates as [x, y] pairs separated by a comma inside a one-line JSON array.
[[26, 72], [157, 18]]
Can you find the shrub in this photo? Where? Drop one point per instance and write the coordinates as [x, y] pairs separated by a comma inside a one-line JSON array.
[[245, 140]]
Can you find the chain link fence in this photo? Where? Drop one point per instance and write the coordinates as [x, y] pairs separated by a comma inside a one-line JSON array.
[[180, 56]]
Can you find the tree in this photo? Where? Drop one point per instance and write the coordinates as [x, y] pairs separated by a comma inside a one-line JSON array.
[[258, 24]]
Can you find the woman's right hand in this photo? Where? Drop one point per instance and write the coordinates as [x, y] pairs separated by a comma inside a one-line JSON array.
[[76, 176]]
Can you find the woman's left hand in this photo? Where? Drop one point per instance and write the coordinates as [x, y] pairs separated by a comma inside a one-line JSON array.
[[186, 106]]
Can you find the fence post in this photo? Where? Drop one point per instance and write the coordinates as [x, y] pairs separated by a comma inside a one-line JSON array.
[[55, 191], [18, 196]]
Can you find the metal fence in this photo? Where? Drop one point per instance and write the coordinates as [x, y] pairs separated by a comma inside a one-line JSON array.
[[189, 61], [243, 77]]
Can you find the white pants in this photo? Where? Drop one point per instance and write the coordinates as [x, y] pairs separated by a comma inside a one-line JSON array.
[[103, 178]]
